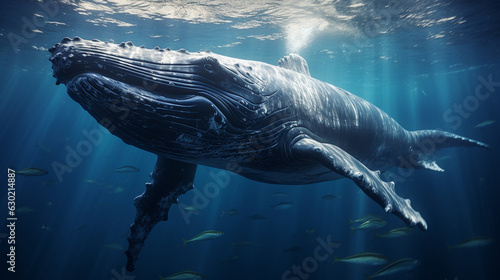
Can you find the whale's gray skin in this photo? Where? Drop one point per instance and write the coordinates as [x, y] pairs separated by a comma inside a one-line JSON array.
[[272, 124]]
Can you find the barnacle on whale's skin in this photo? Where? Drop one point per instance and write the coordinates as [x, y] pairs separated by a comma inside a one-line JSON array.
[[273, 124]]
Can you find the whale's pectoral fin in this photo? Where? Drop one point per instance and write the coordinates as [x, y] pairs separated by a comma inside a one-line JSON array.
[[369, 181], [170, 179]]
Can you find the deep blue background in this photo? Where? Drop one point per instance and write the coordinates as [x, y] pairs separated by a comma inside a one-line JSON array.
[[415, 68]]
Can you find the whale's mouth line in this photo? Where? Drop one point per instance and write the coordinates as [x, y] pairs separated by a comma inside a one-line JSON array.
[[116, 90]]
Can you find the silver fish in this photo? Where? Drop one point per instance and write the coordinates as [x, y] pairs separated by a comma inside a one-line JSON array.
[[363, 258], [282, 205], [485, 123], [365, 218], [395, 233], [232, 212], [281, 194], [334, 245], [371, 224], [24, 209], [49, 183], [126, 169], [309, 232], [103, 184], [203, 236], [396, 266], [47, 228], [42, 147], [32, 171], [472, 242], [117, 190], [190, 208], [114, 246]]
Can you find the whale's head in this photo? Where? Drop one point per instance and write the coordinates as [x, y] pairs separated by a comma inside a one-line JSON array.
[[160, 99]]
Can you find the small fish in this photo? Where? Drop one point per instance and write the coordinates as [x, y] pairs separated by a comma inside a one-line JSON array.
[[245, 244], [395, 233], [363, 258], [91, 181], [24, 210], [485, 123], [47, 228], [370, 224], [49, 203], [186, 275], [330, 197], [232, 212], [32, 171], [472, 242], [334, 245], [49, 183], [42, 147], [126, 169], [203, 236], [365, 218], [309, 232], [231, 259], [114, 246], [190, 208], [257, 217], [281, 194], [293, 249], [117, 190], [282, 205], [397, 266], [102, 184]]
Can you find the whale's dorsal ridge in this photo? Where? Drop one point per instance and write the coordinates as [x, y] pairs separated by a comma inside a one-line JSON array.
[[295, 63]]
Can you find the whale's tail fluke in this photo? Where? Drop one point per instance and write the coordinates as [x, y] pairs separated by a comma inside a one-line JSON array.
[[427, 142], [443, 139]]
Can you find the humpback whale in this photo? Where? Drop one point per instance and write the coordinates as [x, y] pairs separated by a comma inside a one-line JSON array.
[[273, 124]]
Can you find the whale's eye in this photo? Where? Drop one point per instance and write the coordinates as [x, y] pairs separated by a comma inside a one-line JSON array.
[[209, 67], [211, 64]]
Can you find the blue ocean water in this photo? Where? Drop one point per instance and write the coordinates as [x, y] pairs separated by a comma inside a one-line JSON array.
[[428, 64]]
